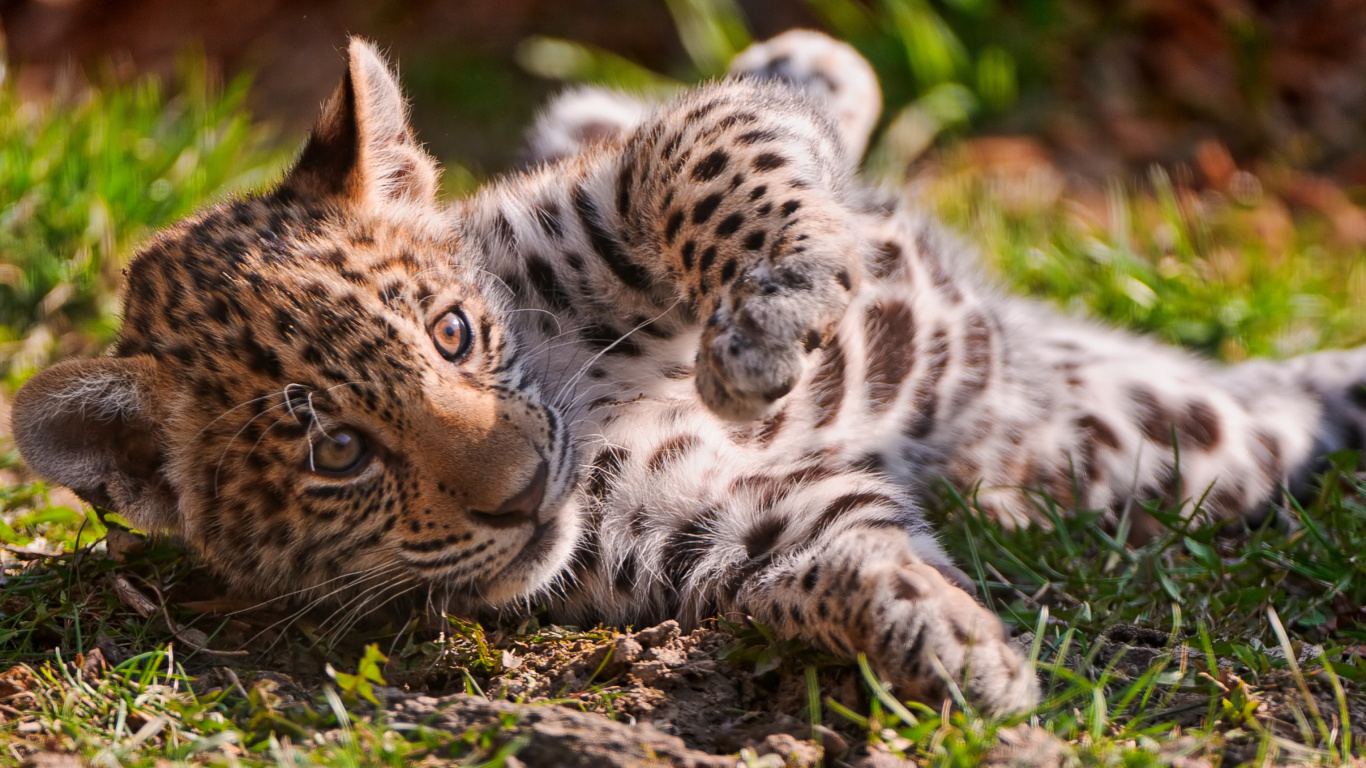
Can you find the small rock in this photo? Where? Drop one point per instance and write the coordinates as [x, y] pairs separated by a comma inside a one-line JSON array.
[[16, 680], [796, 753], [418, 706], [93, 666], [113, 654], [668, 656], [389, 693], [624, 652], [832, 743], [652, 673], [662, 634], [121, 544], [511, 687]]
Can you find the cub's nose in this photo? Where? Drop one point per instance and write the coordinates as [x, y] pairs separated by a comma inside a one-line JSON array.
[[520, 507]]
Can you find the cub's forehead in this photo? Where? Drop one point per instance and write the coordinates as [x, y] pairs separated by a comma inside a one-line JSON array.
[[277, 289]]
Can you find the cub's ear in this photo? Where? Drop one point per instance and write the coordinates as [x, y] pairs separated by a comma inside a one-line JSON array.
[[89, 425], [361, 150]]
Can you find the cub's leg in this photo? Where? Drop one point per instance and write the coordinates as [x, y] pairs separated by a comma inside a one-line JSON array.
[[1006, 397], [763, 327], [1232, 440], [580, 118], [731, 207], [840, 558], [1334, 381]]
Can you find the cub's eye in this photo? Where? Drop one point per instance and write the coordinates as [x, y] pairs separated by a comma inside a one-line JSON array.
[[340, 453], [451, 335]]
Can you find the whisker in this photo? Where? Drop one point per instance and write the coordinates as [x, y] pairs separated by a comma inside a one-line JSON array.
[[235, 407], [319, 585], [372, 595], [496, 278], [224, 454], [288, 621]]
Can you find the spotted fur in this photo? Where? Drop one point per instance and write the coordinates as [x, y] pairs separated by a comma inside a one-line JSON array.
[[690, 366]]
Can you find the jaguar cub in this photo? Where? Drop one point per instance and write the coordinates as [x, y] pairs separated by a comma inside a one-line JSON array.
[[684, 364]]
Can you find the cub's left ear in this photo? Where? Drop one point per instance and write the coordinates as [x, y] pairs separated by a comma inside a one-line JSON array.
[[92, 426], [361, 150]]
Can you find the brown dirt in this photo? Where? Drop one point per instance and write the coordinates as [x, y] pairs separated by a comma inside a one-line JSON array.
[[594, 697], [683, 685], [654, 697]]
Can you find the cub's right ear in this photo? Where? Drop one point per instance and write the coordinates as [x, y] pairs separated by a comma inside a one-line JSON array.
[[90, 425], [362, 150]]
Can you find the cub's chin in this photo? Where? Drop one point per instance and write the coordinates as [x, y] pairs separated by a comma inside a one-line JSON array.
[[544, 557]]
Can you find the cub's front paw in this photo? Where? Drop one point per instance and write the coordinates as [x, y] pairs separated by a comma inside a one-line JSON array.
[[945, 633], [765, 333], [741, 375]]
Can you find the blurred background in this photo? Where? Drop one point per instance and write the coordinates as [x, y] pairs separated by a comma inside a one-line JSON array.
[[1192, 168], [1110, 86]]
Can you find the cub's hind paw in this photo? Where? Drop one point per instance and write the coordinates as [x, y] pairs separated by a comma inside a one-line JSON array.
[[580, 118], [827, 69]]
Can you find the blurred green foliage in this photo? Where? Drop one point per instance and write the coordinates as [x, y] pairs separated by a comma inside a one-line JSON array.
[[1201, 270], [83, 176], [941, 62]]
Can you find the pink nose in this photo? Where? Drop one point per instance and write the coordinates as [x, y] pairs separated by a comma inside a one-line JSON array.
[[520, 507]]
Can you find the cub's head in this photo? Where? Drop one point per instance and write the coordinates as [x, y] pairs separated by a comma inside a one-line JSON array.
[[317, 387]]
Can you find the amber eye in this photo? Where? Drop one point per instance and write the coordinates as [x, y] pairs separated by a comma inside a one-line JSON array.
[[341, 452], [451, 335]]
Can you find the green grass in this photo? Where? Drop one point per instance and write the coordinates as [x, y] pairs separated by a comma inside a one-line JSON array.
[[1235, 648], [1193, 268], [62, 687], [148, 709], [84, 176], [1236, 611]]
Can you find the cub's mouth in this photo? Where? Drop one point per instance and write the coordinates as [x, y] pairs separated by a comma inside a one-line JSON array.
[[526, 507], [542, 557], [544, 512], [538, 545]]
